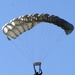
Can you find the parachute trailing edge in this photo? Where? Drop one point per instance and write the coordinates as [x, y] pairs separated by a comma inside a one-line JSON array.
[[19, 25]]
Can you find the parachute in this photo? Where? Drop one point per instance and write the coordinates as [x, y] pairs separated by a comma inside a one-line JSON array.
[[23, 23], [19, 25]]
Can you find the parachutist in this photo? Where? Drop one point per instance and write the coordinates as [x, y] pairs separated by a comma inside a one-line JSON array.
[[37, 64]]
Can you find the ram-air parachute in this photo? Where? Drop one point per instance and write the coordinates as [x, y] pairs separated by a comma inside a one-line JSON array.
[[19, 25]]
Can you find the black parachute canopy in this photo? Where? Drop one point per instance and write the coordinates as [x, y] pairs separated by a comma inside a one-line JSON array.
[[19, 25]]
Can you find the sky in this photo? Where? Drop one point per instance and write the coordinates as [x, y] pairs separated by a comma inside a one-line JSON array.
[[45, 43]]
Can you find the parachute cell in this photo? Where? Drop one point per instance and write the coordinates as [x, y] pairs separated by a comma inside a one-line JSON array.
[[19, 25]]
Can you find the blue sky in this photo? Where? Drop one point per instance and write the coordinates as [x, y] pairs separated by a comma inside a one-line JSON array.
[[45, 43]]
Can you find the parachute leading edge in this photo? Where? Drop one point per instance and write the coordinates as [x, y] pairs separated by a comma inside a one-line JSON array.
[[19, 25]]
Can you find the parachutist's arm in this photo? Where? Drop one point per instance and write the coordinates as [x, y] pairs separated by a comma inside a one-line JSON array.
[[41, 72], [34, 69]]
